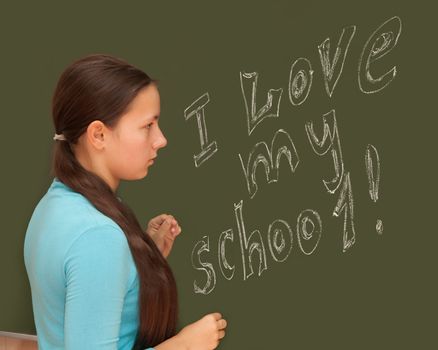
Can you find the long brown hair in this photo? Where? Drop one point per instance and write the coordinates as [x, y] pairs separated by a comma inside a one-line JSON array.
[[101, 87]]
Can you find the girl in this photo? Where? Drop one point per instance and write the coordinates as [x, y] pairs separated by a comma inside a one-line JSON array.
[[97, 280]]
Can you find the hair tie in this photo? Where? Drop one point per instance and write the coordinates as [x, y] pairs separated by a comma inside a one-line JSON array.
[[59, 137]]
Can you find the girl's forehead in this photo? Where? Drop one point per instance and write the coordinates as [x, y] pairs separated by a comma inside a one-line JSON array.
[[145, 106]]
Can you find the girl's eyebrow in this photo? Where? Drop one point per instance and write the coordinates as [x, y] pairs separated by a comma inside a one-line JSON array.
[[154, 118]]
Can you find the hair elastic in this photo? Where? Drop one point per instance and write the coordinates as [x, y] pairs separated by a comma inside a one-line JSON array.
[[60, 137]]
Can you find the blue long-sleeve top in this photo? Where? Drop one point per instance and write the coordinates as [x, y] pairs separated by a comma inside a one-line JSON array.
[[83, 279]]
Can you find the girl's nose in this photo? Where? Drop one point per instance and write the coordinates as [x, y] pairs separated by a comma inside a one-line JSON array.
[[161, 140]]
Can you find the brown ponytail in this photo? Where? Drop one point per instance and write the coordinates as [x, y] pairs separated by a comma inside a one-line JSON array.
[[100, 87]]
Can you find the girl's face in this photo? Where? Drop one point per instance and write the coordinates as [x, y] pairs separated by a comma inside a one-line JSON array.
[[136, 139]]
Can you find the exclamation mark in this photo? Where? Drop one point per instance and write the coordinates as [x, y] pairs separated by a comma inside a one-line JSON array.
[[372, 165]]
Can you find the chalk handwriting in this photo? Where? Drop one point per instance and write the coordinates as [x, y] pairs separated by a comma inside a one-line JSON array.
[[249, 245], [280, 239], [333, 70], [346, 204], [207, 149], [300, 82], [330, 141], [372, 165], [281, 144], [248, 85], [279, 235], [380, 43], [203, 246], [309, 230], [226, 269]]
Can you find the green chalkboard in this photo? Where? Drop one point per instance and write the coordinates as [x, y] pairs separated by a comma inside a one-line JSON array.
[[300, 161]]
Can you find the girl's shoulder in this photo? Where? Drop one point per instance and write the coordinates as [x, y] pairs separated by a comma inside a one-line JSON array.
[[76, 207], [62, 215]]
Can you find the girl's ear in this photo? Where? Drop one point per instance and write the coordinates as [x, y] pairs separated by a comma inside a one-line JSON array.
[[97, 134]]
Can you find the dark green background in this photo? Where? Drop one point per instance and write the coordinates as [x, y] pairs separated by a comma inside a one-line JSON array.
[[381, 293]]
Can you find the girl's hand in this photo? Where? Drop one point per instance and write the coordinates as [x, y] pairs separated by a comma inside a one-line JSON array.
[[163, 230], [204, 334]]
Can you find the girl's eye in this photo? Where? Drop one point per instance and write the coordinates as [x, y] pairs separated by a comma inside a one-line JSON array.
[[149, 125]]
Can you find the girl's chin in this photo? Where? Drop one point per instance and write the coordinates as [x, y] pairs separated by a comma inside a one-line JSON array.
[[140, 175]]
